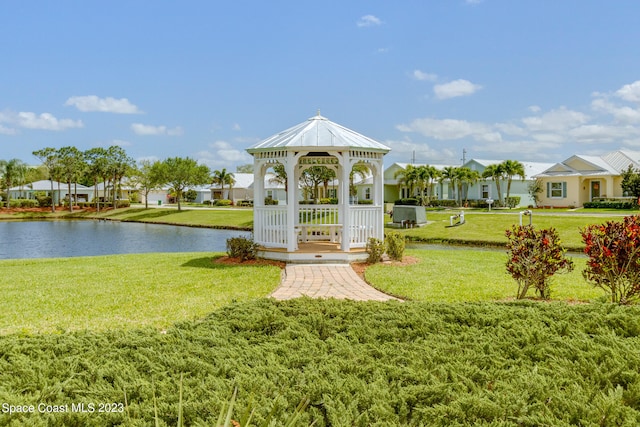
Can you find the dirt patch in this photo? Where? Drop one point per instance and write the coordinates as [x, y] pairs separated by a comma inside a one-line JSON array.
[[236, 261], [360, 267]]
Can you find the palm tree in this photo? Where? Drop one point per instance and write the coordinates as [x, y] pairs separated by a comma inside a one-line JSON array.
[[407, 177], [279, 176], [467, 177], [361, 170], [512, 168], [13, 173], [222, 178], [49, 158], [496, 173], [449, 173]]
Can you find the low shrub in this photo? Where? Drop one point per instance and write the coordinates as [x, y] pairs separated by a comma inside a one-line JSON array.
[[535, 256], [447, 203], [375, 250], [223, 202], [242, 247], [613, 249], [329, 201], [627, 205], [512, 201], [408, 202], [43, 200], [365, 202], [395, 243]]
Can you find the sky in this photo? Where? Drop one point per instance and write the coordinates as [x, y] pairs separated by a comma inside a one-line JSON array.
[[530, 80]]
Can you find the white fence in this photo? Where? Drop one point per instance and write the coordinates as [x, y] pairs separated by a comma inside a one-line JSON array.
[[270, 226], [366, 222], [317, 223]]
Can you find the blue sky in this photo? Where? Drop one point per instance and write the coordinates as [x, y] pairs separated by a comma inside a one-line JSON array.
[[527, 80]]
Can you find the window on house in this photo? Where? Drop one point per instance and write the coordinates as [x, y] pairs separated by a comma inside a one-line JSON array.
[[270, 194], [332, 192], [484, 191], [367, 193], [557, 190]]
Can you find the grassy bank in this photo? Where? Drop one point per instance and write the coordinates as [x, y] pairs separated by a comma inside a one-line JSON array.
[[468, 275], [122, 291], [488, 229], [214, 218], [361, 364]]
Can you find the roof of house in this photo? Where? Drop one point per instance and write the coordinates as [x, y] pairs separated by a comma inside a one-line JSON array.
[[318, 132], [45, 185], [530, 168], [613, 163]]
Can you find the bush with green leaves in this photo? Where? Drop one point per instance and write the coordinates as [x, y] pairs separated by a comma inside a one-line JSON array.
[[395, 243], [534, 257], [223, 202], [613, 249], [512, 201], [375, 250], [242, 247]]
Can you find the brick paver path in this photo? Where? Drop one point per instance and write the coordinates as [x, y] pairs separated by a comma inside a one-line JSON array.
[[326, 281]]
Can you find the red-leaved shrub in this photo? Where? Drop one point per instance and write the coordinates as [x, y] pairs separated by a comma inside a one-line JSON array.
[[535, 256]]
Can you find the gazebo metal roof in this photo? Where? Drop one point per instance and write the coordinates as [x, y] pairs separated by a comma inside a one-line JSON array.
[[318, 131]]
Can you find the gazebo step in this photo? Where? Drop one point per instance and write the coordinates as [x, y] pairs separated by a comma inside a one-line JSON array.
[[313, 257]]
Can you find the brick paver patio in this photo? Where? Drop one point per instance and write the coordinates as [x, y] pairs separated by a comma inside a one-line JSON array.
[[326, 281]]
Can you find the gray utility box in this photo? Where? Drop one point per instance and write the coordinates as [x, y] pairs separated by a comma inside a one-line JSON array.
[[409, 214]]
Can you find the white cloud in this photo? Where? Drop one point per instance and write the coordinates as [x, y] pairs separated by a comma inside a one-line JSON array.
[[422, 76], [44, 121], [223, 154], [446, 129], [558, 120], [368, 21], [535, 109], [7, 131], [455, 88], [630, 92], [104, 105], [236, 126], [142, 129], [624, 114]]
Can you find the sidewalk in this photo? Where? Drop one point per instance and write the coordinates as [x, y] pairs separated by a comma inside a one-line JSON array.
[[326, 281]]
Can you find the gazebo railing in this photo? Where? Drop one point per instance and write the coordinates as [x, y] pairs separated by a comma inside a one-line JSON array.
[[270, 226], [319, 222], [366, 222]]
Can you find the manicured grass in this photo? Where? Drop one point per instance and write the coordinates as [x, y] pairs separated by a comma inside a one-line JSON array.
[[468, 275], [360, 364], [215, 218], [122, 291], [484, 228]]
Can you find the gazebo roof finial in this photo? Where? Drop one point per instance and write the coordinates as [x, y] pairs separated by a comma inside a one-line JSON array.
[[319, 113]]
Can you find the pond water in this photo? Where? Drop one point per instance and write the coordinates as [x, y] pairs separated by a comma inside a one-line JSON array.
[[53, 239]]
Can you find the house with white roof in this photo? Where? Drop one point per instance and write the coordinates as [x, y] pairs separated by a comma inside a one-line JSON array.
[[60, 191], [582, 178], [487, 188]]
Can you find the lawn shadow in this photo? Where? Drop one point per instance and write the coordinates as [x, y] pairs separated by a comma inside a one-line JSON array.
[[143, 214], [218, 262]]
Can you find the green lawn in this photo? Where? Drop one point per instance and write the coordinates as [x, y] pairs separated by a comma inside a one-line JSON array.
[[468, 275], [122, 291], [220, 218], [484, 228]]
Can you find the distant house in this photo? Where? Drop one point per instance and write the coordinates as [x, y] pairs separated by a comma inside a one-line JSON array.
[[487, 188], [393, 190], [581, 178], [242, 189], [60, 191]]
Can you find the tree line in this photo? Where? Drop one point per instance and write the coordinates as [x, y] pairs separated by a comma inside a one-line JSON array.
[[108, 166], [419, 180]]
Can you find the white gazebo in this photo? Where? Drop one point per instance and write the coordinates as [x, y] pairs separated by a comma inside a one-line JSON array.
[[294, 231]]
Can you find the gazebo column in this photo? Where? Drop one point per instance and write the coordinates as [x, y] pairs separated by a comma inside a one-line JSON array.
[[345, 213], [292, 188]]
